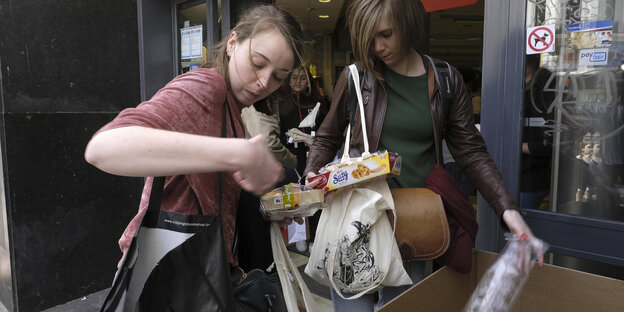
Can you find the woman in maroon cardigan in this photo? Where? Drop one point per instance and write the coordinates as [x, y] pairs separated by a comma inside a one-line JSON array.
[[177, 133]]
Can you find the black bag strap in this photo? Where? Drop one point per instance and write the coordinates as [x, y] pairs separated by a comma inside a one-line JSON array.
[[221, 175], [158, 183]]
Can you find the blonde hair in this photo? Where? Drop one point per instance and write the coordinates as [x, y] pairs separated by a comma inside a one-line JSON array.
[[256, 20], [406, 18]]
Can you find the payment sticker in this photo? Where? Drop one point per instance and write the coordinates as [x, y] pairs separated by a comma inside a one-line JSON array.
[[591, 57]]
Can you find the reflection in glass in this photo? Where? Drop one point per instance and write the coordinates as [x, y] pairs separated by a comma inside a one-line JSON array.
[[574, 106]]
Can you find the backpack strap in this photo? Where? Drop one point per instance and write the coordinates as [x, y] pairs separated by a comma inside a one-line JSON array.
[[444, 80], [443, 77]]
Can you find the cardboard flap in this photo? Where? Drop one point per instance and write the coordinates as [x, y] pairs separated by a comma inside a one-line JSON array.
[[549, 288]]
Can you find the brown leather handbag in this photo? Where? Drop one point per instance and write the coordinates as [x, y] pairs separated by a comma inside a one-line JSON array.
[[422, 230]]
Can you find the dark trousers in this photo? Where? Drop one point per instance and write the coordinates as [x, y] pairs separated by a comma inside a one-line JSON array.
[[254, 237]]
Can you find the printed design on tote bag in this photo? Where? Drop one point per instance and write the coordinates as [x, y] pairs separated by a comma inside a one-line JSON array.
[[355, 263]]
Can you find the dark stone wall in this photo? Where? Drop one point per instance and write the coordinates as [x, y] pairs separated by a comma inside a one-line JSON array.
[[67, 68]]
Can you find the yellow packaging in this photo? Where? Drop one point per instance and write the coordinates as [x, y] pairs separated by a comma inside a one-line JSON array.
[[290, 197], [377, 165]]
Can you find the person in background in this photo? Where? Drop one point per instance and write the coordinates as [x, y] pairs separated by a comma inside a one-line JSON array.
[[305, 102], [279, 119], [280, 115], [263, 118], [254, 244], [536, 143], [177, 133], [406, 116]]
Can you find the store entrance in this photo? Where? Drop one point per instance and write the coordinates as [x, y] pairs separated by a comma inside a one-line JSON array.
[[573, 135], [192, 29]]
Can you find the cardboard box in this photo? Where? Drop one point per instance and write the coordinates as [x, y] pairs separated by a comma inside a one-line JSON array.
[[377, 165], [549, 288]]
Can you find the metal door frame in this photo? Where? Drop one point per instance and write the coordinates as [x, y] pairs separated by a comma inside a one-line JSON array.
[[158, 51]]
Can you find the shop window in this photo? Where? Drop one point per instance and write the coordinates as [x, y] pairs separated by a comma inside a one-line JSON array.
[[573, 134]]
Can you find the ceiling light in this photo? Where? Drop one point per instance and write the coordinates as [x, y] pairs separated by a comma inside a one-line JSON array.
[[324, 1], [323, 16]]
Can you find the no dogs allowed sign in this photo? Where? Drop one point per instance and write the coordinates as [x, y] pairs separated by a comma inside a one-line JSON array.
[[540, 39]]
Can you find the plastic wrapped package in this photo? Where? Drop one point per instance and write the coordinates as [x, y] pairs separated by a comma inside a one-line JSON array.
[[290, 201], [504, 280]]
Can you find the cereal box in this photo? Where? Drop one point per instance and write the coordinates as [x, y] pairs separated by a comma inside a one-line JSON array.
[[377, 165]]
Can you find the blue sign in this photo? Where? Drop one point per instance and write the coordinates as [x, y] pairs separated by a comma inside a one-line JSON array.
[[595, 25]]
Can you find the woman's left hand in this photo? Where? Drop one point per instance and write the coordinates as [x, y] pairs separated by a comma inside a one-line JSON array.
[[517, 226]]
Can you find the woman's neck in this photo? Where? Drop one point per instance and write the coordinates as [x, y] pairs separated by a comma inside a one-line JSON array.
[[411, 66]]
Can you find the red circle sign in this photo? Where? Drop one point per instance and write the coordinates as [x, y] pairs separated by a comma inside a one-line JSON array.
[[535, 39]]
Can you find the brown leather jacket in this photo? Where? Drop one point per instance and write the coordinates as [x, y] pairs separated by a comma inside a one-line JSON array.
[[463, 139]]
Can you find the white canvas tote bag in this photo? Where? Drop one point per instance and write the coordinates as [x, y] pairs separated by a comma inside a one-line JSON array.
[[355, 251]]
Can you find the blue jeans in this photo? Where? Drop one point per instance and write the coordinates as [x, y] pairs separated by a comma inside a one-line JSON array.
[[366, 303]]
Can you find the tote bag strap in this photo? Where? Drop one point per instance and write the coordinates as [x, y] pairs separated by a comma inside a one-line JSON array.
[[158, 184], [358, 92], [291, 280]]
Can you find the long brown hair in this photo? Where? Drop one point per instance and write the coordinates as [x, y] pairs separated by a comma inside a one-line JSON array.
[[405, 16], [255, 20]]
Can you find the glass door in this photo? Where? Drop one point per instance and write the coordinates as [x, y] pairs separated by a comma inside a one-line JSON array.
[[572, 159], [191, 31]]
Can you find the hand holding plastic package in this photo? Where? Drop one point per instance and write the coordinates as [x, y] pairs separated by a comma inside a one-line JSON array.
[[298, 136], [504, 280]]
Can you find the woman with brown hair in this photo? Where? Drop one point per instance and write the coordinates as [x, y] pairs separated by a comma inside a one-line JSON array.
[[191, 129], [405, 113]]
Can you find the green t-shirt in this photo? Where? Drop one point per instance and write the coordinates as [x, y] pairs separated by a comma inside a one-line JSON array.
[[408, 128]]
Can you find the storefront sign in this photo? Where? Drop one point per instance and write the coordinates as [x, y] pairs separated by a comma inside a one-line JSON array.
[[588, 35], [540, 39], [590, 57]]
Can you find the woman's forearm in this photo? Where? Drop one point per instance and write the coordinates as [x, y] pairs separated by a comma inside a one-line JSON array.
[[141, 151]]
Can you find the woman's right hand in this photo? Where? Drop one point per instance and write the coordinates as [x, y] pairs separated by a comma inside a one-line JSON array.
[[259, 171], [518, 226]]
